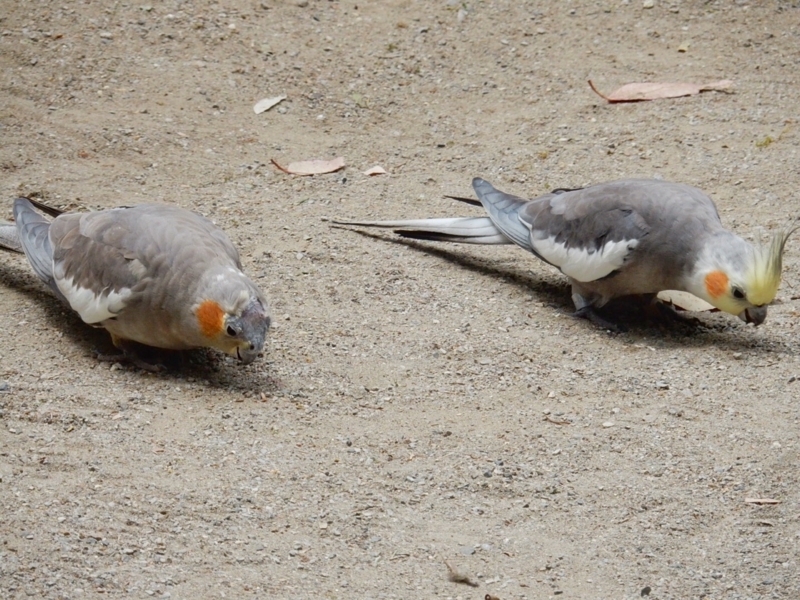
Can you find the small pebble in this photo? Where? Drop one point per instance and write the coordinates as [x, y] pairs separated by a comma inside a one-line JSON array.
[[608, 424]]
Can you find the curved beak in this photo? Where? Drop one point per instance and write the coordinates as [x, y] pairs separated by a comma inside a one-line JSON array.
[[247, 355], [255, 323], [755, 315]]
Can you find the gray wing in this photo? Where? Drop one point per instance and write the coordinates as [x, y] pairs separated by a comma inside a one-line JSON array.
[[33, 235], [104, 261], [504, 211], [590, 233], [586, 224]]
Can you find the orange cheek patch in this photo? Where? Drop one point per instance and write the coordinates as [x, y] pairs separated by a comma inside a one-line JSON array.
[[209, 316], [716, 283]]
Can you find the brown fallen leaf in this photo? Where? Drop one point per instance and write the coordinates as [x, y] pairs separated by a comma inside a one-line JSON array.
[[762, 501], [685, 301], [311, 167], [636, 92]]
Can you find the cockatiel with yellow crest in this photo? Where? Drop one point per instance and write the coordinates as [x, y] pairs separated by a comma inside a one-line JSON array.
[[621, 238], [154, 274]]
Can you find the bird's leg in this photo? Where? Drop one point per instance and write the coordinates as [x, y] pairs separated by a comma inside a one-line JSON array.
[[585, 310], [668, 311], [128, 354]]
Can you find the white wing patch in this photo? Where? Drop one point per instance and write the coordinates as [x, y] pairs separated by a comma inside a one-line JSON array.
[[93, 307], [579, 263]]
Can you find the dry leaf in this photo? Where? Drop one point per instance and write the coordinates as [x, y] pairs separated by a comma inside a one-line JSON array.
[[762, 501], [635, 92], [376, 170], [267, 103], [685, 301], [312, 167]]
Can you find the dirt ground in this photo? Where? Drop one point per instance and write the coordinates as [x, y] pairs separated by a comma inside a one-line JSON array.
[[417, 402]]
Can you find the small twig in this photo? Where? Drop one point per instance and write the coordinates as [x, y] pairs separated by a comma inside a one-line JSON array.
[[556, 421], [274, 162], [762, 501], [596, 91], [457, 577], [399, 556]]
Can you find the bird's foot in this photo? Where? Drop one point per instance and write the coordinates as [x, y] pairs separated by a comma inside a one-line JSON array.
[[587, 312], [669, 312], [132, 358]]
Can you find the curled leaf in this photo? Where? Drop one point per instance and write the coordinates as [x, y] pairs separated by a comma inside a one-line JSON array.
[[311, 167], [376, 170], [685, 301], [636, 92], [266, 103]]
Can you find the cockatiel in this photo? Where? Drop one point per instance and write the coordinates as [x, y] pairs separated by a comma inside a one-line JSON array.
[[620, 238], [154, 274]]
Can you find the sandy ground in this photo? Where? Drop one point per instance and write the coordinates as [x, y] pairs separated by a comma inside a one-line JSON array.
[[417, 403]]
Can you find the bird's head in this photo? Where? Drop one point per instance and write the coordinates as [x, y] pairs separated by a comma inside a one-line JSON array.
[[742, 279], [233, 316]]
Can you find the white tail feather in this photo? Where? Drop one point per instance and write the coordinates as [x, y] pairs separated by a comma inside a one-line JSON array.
[[9, 237], [463, 230]]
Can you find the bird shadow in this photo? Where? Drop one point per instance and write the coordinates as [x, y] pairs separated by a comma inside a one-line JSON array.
[[639, 322], [202, 364]]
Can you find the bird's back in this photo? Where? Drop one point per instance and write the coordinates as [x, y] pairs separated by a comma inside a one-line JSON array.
[[134, 270], [122, 247]]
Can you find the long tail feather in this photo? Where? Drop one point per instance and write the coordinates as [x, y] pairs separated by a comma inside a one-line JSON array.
[[471, 201], [33, 230], [9, 237], [48, 210], [461, 230]]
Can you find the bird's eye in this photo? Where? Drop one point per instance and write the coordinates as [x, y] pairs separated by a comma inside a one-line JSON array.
[[231, 331], [738, 293]]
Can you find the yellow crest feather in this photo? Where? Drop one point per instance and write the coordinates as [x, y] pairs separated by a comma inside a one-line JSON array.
[[764, 273]]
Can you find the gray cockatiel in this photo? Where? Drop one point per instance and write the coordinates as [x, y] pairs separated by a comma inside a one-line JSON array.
[[620, 238], [154, 274]]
